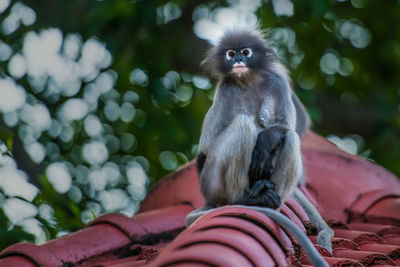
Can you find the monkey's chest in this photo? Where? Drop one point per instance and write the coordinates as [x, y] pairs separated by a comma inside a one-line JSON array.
[[249, 104], [258, 105]]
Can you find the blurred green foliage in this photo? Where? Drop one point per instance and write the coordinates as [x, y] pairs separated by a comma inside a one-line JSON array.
[[344, 58]]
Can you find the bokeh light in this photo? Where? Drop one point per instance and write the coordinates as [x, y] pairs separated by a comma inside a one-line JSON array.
[[59, 176], [12, 95]]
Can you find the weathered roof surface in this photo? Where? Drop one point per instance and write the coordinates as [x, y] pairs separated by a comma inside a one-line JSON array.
[[358, 198]]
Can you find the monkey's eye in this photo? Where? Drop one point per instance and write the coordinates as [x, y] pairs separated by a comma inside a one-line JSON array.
[[247, 52], [230, 54]]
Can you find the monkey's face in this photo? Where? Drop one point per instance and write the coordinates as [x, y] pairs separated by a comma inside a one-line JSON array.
[[241, 56], [238, 53], [238, 59]]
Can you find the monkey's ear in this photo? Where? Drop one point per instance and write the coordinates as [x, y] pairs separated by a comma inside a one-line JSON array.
[[210, 63]]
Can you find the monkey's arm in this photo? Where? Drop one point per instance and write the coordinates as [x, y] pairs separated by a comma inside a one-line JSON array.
[[267, 144], [262, 190], [278, 118], [261, 168], [277, 147]]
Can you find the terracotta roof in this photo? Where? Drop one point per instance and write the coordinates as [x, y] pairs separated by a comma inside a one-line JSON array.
[[359, 199]]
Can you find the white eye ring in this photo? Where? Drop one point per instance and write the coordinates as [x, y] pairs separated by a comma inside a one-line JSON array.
[[246, 52], [230, 54]]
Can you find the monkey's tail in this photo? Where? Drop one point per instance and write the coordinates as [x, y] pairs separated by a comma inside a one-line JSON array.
[[289, 166], [315, 258]]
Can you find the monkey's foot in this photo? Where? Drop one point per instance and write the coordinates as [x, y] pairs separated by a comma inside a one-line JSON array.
[[324, 238]]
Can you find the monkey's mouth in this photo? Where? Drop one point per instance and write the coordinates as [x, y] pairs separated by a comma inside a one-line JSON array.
[[239, 68]]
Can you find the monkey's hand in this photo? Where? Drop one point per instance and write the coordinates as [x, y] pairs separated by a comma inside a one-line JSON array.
[[263, 194], [264, 191], [259, 186], [267, 144]]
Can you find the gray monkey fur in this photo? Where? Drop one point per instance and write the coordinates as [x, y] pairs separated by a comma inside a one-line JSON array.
[[244, 105]]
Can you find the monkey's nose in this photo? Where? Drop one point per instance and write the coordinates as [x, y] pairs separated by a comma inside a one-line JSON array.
[[238, 57]]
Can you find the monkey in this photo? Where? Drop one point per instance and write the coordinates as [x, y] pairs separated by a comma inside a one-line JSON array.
[[253, 105], [249, 149]]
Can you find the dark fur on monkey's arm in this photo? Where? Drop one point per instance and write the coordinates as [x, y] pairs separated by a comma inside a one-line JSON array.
[[271, 140], [261, 167], [267, 145]]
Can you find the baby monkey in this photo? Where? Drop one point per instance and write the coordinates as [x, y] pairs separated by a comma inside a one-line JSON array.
[[249, 150]]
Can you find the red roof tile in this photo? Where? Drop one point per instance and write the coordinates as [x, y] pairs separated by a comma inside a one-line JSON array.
[[365, 257], [298, 210], [392, 252], [17, 260], [385, 211], [293, 216], [379, 229], [358, 237], [359, 199], [341, 262], [340, 243]]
